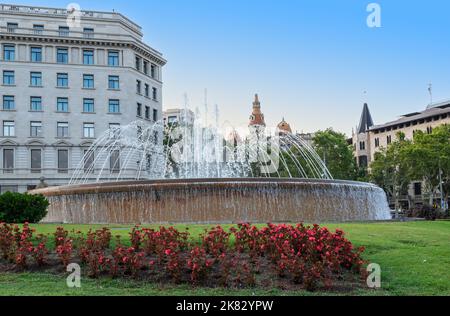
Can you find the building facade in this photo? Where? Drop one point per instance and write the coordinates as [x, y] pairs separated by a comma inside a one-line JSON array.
[[63, 86], [178, 116], [370, 139]]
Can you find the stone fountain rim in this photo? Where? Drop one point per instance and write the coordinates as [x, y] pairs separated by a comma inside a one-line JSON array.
[[136, 185]]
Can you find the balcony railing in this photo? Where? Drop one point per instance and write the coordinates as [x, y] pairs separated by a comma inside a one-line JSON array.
[[64, 12]]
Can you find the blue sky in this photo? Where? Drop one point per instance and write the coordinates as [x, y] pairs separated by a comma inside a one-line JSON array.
[[310, 61]]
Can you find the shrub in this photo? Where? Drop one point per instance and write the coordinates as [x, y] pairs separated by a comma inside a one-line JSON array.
[[60, 236], [199, 265], [7, 241], [40, 252], [306, 256], [64, 252], [427, 212], [21, 208]]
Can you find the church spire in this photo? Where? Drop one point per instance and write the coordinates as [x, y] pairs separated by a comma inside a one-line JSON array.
[[366, 121]]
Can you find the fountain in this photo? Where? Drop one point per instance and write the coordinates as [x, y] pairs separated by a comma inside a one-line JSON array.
[[195, 174]]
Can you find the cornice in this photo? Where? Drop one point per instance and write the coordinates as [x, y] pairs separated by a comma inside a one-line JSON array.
[[84, 42]]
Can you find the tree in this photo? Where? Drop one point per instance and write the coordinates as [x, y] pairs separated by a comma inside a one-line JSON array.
[[337, 154], [390, 169], [428, 156]]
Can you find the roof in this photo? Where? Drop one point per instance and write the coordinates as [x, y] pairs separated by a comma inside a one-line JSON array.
[[438, 104], [439, 109], [284, 127], [366, 121]]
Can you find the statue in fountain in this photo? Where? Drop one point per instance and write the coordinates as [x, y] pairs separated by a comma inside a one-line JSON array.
[[42, 184]]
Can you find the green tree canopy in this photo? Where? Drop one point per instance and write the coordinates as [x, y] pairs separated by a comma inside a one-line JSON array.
[[429, 155], [390, 169], [337, 154]]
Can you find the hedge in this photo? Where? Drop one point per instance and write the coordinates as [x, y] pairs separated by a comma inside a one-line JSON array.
[[21, 208]]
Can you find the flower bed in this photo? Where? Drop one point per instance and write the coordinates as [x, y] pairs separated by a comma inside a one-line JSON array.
[[244, 256]]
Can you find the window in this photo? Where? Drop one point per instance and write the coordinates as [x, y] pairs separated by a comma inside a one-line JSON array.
[[35, 129], [8, 77], [138, 63], [172, 120], [147, 90], [38, 29], [113, 82], [12, 27], [417, 189], [63, 161], [88, 105], [9, 128], [362, 145], [36, 79], [36, 104], [62, 56], [146, 67], [377, 142], [147, 112], [62, 105], [89, 130], [88, 81], [64, 31], [113, 59], [9, 188], [153, 71], [114, 161], [8, 160], [88, 57], [138, 87], [429, 130], [36, 160], [363, 161], [8, 103], [140, 133], [155, 115], [36, 54], [62, 80], [114, 106], [389, 139], [139, 110], [62, 129], [89, 161], [155, 94], [88, 32], [9, 52]]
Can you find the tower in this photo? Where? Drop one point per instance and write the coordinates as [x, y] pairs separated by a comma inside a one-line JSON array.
[[361, 139], [257, 117]]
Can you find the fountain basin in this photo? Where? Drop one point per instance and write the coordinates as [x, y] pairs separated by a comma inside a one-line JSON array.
[[216, 201]]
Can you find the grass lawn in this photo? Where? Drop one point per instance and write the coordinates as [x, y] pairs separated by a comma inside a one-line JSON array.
[[414, 259]]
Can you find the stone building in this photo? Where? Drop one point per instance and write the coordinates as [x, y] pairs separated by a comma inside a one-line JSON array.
[[64, 85], [369, 138]]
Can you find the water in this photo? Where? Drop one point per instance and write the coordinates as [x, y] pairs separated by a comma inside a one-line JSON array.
[[198, 151], [217, 201]]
